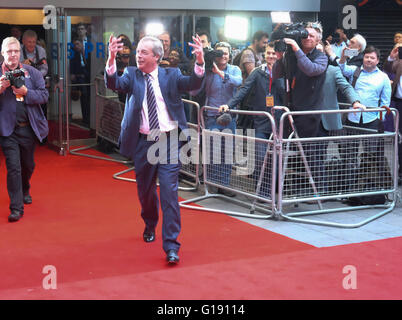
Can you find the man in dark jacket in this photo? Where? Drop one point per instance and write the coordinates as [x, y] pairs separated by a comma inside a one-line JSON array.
[[262, 93], [21, 122], [306, 80]]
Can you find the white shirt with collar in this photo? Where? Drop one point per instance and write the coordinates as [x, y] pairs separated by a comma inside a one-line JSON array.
[[166, 124], [165, 121]]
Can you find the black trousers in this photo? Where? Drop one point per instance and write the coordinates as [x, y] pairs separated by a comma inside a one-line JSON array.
[[18, 149]]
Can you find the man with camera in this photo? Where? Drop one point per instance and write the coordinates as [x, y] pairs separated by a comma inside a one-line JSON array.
[[220, 84], [304, 67], [33, 54], [22, 90], [338, 41]]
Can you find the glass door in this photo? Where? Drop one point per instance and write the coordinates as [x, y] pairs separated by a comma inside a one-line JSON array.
[[55, 82], [81, 111]]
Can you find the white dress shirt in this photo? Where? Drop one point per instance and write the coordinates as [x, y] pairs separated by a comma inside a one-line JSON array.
[[166, 123]]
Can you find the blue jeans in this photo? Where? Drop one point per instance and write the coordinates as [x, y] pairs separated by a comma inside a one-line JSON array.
[[219, 173], [260, 153]]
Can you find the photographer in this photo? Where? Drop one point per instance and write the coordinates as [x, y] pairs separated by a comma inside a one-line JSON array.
[[305, 70], [33, 54], [338, 41], [220, 83], [353, 53], [22, 90]]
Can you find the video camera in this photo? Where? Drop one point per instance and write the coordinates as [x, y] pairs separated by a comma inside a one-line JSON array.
[[295, 31], [16, 77], [210, 55]]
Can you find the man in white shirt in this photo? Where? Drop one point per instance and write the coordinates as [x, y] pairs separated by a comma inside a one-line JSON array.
[[33, 54], [154, 111]]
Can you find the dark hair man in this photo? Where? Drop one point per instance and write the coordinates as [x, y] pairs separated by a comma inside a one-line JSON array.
[[253, 56], [166, 40]]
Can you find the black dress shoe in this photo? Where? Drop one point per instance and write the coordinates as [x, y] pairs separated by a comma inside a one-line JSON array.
[[27, 199], [172, 257], [15, 216], [148, 236]]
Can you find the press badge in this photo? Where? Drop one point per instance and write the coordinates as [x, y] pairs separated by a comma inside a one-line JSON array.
[[269, 101]]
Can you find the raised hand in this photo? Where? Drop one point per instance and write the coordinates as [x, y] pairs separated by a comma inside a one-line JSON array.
[[115, 45], [197, 49]]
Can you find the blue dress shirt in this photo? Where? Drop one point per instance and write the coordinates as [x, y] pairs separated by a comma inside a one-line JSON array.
[[373, 88]]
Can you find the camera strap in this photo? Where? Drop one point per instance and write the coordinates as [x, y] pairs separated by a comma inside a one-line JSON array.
[[356, 75], [36, 54]]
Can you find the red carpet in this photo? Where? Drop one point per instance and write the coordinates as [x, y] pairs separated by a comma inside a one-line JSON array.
[[75, 132], [87, 225]]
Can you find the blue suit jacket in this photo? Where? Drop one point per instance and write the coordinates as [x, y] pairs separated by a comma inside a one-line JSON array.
[[334, 80], [172, 84], [37, 95]]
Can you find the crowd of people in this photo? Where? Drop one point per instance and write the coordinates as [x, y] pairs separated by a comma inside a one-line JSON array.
[[320, 72]]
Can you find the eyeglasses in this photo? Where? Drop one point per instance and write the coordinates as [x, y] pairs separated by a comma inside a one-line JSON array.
[[9, 52]]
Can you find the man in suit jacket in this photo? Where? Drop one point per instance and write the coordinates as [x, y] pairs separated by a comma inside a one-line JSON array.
[[306, 73], [335, 81], [393, 65], [154, 111], [21, 122]]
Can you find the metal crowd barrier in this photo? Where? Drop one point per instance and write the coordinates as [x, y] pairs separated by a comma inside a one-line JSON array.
[[226, 161], [287, 171], [348, 164], [191, 169], [109, 113]]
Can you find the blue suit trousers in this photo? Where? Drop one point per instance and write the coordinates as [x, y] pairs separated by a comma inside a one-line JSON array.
[[148, 169]]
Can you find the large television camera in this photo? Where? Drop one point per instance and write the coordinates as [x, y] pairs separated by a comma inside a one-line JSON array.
[[209, 56], [16, 77], [295, 31]]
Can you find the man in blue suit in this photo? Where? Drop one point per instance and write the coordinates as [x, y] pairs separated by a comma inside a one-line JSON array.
[[154, 116], [21, 122]]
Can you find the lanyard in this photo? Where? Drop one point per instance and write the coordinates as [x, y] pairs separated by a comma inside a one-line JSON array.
[[270, 81]]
